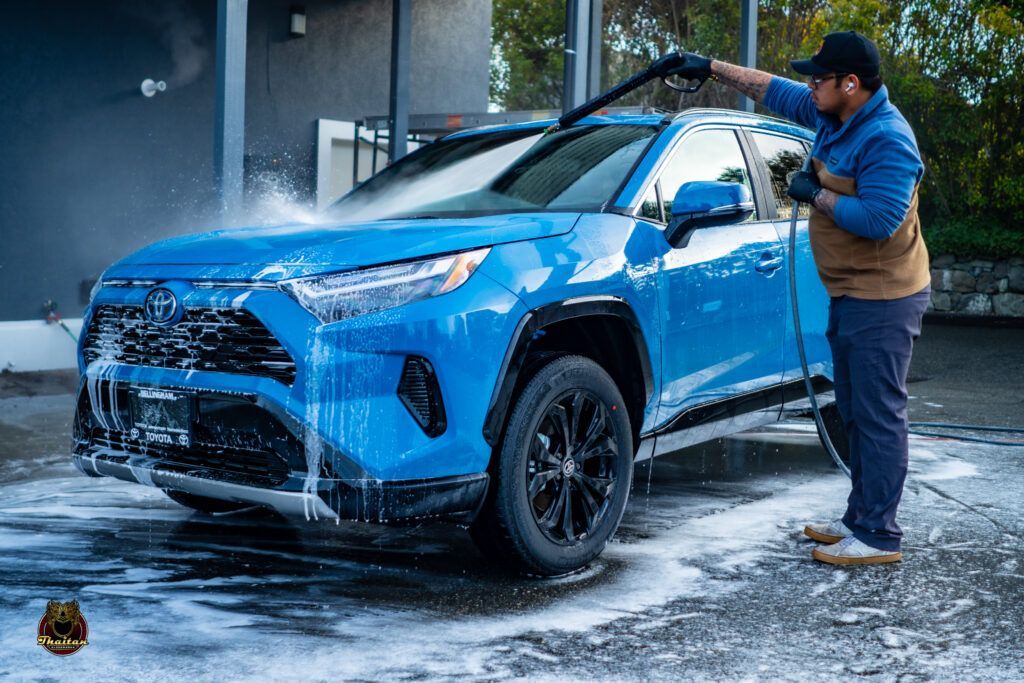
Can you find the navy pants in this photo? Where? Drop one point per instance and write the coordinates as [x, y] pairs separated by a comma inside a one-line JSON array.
[[871, 344]]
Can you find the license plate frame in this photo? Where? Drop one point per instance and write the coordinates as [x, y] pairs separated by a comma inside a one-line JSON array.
[[162, 417]]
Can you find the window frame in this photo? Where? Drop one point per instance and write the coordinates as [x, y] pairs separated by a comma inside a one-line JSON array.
[[762, 166], [757, 181]]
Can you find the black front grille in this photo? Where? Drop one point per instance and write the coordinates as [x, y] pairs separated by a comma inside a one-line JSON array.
[[216, 339], [419, 392]]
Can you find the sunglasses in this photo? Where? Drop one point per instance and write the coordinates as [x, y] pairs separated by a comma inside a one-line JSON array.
[[816, 81]]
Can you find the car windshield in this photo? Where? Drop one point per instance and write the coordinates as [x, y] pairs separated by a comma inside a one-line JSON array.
[[576, 169]]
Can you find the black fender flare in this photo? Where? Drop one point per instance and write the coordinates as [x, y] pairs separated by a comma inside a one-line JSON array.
[[525, 333]]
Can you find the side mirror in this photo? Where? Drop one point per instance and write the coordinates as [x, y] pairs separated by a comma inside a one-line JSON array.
[[703, 203]]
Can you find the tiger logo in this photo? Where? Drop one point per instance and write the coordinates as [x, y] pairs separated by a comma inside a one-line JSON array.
[[63, 630], [63, 617]]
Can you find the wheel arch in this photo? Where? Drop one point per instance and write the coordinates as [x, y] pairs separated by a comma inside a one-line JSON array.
[[567, 325]]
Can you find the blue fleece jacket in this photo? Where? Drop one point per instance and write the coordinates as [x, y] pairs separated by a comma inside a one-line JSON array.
[[875, 147]]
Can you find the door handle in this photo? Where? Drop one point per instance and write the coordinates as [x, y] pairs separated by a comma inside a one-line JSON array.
[[768, 263]]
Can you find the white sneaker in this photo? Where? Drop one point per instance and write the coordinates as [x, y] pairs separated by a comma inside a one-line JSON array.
[[850, 550], [828, 532]]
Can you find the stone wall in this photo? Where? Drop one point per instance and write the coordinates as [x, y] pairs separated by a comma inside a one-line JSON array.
[[978, 287]]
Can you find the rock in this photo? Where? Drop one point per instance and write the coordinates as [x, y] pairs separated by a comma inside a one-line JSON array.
[[981, 264], [1017, 261], [962, 281], [975, 304], [987, 283], [1009, 304], [1016, 275], [961, 266], [941, 302], [1004, 284], [940, 280], [944, 261], [1001, 269]]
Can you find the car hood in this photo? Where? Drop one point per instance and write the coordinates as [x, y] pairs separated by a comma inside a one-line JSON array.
[[275, 252]]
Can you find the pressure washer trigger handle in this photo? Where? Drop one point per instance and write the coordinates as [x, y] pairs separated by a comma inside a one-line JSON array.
[[685, 88]]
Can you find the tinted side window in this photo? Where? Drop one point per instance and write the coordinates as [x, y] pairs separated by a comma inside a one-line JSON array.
[[705, 155], [782, 156]]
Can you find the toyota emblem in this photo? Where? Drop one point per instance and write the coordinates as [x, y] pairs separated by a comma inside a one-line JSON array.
[[161, 305]]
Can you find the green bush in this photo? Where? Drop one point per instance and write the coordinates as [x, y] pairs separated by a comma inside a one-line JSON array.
[[976, 237]]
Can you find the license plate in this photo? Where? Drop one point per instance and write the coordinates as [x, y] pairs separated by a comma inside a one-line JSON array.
[[161, 417]]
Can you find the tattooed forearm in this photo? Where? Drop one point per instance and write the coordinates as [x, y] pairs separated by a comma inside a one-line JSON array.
[[750, 82], [826, 202]]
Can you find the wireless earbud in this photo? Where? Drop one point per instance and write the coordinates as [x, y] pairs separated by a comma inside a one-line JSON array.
[[849, 87]]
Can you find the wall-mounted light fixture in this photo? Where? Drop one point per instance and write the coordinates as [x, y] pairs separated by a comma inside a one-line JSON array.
[[297, 24]]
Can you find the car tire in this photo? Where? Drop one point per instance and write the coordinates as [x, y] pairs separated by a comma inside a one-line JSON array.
[[836, 430], [204, 504], [563, 472]]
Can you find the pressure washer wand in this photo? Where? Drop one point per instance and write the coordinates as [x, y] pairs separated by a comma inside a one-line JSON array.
[[668, 65]]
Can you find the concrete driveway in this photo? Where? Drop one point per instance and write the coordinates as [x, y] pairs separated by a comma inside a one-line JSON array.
[[709, 577]]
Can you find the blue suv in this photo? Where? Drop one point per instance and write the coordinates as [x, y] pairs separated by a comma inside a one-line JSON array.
[[492, 330]]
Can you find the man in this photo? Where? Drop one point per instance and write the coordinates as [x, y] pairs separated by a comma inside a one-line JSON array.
[[867, 245]]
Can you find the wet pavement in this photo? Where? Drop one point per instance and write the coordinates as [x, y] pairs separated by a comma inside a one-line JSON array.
[[708, 578]]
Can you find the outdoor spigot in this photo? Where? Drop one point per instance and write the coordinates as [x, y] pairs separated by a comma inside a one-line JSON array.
[[150, 87]]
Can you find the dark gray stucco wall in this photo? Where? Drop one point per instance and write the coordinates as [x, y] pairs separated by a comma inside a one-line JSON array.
[[94, 170]]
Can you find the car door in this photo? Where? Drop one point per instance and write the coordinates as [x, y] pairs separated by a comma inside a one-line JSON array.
[[779, 155], [723, 294]]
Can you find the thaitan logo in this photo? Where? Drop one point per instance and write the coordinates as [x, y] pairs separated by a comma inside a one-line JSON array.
[[62, 630], [161, 305]]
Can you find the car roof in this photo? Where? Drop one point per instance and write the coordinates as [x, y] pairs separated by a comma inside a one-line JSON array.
[[683, 119]]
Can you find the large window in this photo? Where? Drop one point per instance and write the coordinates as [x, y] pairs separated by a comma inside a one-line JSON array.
[[782, 156], [712, 154], [576, 169]]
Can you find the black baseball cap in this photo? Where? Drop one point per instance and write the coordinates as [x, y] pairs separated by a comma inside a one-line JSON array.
[[845, 52]]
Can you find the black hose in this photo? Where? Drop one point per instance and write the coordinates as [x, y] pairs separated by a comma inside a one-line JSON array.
[[976, 428], [822, 432], [798, 332], [971, 428]]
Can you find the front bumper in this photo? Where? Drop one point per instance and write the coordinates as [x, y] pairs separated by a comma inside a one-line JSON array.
[[342, 417], [242, 451], [366, 500]]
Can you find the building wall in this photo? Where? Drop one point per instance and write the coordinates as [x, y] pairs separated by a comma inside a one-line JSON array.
[[94, 170]]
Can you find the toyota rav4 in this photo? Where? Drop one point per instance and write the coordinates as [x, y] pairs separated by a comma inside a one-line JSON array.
[[492, 330]]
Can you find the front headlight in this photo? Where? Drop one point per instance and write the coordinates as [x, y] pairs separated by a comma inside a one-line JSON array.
[[339, 296]]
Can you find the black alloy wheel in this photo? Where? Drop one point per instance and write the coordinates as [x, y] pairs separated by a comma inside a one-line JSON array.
[[562, 472], [571, 469]]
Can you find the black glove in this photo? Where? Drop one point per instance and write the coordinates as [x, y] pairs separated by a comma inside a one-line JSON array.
[[803, 187], [683, 64]]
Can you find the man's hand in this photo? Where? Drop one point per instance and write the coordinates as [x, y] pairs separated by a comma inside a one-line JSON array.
[[686, 65], [804, 187]]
